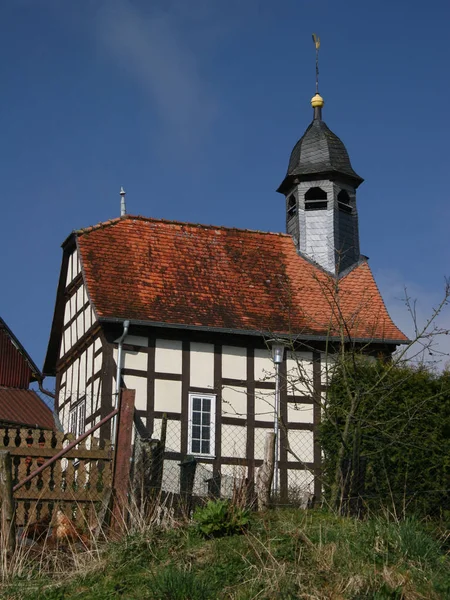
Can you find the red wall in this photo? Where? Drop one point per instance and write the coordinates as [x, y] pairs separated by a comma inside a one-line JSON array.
[[14, 370]]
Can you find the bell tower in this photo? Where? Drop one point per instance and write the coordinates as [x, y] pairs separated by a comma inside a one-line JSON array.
[[320, 190]]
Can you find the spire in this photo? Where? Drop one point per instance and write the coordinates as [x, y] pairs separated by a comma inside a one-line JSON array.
[[123, 208], [317, 101]]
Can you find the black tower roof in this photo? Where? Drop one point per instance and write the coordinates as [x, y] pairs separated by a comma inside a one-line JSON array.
[[318, 152]]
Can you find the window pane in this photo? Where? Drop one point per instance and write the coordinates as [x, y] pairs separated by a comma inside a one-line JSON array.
[[196, 403], [206, 419], [205, 433], [195, 445], [196, 418], [196, 432], [206, 404], [205, 447]]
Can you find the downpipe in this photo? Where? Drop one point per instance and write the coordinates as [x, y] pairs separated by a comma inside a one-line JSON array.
[[126, 325]]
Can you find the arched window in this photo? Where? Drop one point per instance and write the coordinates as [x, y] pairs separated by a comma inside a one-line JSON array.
[[344, 202], [316, 199], [291, 206]]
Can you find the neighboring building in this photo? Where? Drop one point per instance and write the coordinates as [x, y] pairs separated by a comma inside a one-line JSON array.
[[19, 406], [202, 302]]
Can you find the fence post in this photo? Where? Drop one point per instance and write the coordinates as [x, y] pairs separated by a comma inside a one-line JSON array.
[[264, 475], [8, 526], [122, 462], [187, 478]]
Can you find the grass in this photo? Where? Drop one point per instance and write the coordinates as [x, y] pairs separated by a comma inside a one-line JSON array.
[[283, 555]]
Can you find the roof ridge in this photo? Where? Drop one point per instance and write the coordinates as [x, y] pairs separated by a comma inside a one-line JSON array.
[[111, 222]]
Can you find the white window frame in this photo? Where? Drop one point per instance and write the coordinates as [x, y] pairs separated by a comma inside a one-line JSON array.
[[212, 424], [77, 418]]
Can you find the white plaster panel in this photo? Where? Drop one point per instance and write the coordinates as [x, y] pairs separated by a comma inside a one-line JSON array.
[[173, 439], [328, 363], [75, 368], [234, 439], [62, 346], [168, 356], [66, 313], [299, 373], [73, 305], [80, 293], [97, 344], [75, 264], [140, 385], [300, 482], [168, 395], [96, 394], [264, 367], [88, 317], [302, 443], [157, 429], [135, 360], [82, 367], [234, 362], [260, 440], [264, 405], [89, 358], [233, 479], [73, 333], [89, 400], [67, 344], [137, 340], [69, 271], [300, 413], [80, 326], [98, 362], [202, 365], [234, 401]]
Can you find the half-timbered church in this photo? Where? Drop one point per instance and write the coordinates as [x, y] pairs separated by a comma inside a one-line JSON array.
[[186, 314]]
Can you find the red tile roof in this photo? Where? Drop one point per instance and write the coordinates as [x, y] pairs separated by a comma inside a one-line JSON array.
[[195, 275], [24, 407]]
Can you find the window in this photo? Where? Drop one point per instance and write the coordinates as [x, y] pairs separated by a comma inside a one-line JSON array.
[[77, 416], [316, 199], [201, 424], [291, 206], [344, 202]]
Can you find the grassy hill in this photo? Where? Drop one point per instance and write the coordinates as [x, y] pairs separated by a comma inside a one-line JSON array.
[[283, 554]]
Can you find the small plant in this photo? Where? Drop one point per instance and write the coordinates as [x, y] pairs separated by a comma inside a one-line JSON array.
[[220, 518], [175, 584]]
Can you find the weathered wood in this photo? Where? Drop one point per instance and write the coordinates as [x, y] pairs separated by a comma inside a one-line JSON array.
[[8, 531], [122, 464], [82, 453], [264, 475], [158, 457]]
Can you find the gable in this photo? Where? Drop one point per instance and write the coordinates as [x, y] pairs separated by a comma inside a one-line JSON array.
[[16, 367], [73, 318]]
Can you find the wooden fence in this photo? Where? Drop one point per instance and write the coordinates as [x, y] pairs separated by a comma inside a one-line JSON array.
[[75, 482]]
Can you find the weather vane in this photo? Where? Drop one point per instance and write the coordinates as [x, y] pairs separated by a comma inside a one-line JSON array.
[[316, 40]]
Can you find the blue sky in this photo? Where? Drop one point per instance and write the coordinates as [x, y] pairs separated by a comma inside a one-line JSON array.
[[194, 106]]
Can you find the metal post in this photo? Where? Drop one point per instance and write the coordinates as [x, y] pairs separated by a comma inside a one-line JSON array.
[[276, 426]]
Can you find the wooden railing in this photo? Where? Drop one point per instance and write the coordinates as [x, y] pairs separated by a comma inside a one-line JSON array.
[[77, 480]]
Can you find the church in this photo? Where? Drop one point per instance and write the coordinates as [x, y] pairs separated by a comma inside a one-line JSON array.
[[189, 316]]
